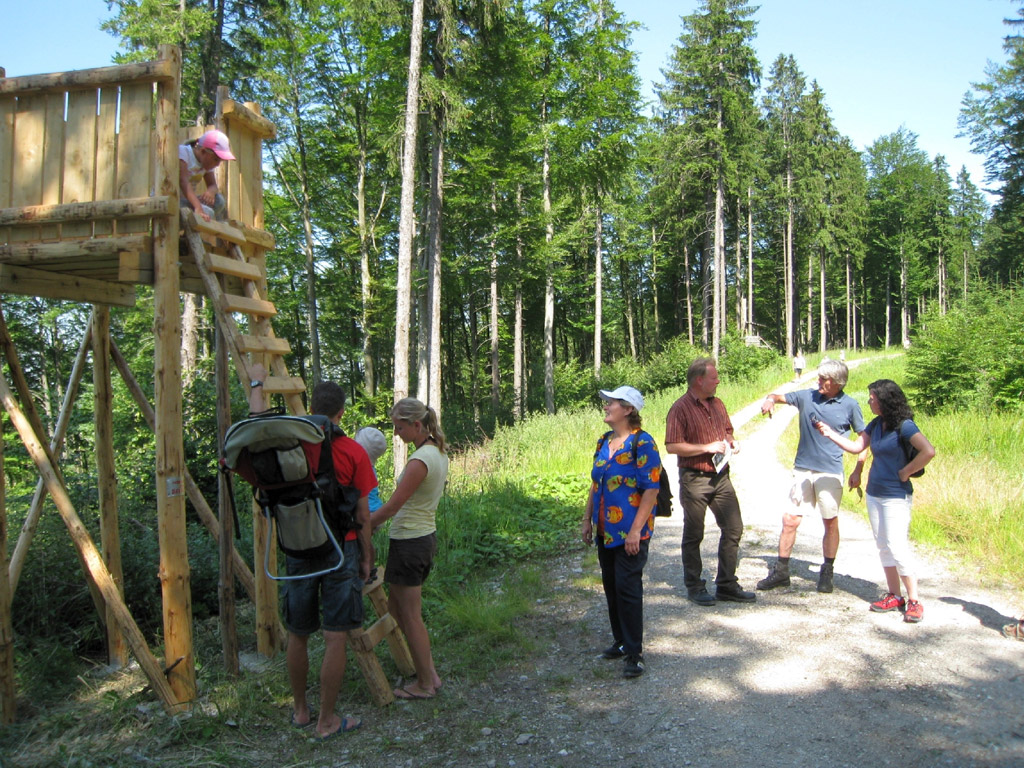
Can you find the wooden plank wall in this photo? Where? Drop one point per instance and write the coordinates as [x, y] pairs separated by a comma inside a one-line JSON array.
[[78, 145]]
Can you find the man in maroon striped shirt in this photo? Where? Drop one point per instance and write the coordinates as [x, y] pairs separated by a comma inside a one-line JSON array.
[[700, 433]]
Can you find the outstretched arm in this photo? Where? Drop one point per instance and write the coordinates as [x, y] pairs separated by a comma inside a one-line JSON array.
[[769, 403], [414, 474]]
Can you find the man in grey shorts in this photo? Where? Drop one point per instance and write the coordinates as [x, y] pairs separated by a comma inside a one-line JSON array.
[[818, 467]]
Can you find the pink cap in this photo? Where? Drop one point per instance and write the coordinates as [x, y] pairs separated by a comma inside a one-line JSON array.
[[216, 142]]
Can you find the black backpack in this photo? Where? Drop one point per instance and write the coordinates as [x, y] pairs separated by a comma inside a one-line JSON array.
[[909, 451], [289, 462], [663, 506]]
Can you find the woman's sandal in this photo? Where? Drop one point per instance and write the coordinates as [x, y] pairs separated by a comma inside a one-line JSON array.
[[1015, 631]]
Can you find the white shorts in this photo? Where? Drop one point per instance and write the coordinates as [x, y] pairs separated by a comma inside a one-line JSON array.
[[821, 491]]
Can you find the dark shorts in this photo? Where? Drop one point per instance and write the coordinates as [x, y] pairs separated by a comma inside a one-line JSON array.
[[341, 593], [409, 560]]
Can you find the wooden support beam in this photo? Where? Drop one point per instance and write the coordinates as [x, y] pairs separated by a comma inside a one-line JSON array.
[[259, 237], [106, 473], [245, 305], [37, 282], [174, 576], [225, 265], [90, 557], [220, 229], [366, 640], [8, 690], [158, 70], [129, 208], [36, 253], [225, 513], [397, 644], [265, 345], [284, 385], [28, 528], [258, 124]]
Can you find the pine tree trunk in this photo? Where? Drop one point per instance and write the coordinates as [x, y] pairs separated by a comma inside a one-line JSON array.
[[495, 379], [822, 329], [750, 263], [190, 337], [904, 306], [598, 285], [788, 267], [407, 224], [433, 319], [689, 294], [365, 274], [518, 392]]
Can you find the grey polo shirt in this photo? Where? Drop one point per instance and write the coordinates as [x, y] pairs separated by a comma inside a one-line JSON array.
[[816, 452]]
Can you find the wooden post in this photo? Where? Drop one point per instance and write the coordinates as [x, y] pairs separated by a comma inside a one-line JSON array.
[[170, 465], [106, 471], [8, 700], [90, 557], [226, 585]]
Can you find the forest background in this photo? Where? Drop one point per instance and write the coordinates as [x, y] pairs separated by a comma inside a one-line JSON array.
[[562, 241]]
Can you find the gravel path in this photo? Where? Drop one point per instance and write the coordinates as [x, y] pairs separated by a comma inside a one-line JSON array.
[[798, 679]]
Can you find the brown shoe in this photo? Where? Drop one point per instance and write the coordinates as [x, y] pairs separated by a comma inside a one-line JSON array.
[[1014, 631]]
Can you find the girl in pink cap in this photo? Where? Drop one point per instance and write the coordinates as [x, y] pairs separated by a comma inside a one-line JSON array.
[[198, 159]]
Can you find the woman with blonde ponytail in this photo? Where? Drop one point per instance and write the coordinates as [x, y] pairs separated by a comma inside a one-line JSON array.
[[412, 538]]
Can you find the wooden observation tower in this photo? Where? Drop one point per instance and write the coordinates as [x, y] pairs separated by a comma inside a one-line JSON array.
[[89, 210]]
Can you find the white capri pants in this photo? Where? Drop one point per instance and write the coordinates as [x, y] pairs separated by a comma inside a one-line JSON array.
[[890, 523]]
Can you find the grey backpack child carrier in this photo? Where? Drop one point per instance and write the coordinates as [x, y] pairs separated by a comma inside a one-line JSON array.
[[288, 461]]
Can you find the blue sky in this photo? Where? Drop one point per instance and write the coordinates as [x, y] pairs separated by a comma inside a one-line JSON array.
[[881, 63]]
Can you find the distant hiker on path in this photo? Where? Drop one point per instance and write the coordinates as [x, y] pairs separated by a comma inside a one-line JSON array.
[[798, 365], [818, 467], [340, 591], [620, 508], [892, 436], [700, 433]]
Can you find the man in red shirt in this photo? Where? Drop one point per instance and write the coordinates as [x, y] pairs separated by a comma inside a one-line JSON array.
[[700, 433], [341, 590]]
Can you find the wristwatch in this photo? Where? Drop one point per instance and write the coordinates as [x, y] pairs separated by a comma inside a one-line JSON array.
[[255, 383]]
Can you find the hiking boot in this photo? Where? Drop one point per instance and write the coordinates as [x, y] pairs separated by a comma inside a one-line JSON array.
[[889, 602], [778, 576], [825, 578], [701, 596], [913, 612], [634, 666], [1014, 631], [613, 652]]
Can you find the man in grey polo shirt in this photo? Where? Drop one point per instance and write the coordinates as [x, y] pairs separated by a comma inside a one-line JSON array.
[[818, 467]]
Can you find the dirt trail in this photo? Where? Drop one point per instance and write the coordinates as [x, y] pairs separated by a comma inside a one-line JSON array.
[[798, 679]]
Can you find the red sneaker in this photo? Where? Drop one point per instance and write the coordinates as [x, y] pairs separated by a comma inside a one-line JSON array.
[[888, 602], [914, 612]]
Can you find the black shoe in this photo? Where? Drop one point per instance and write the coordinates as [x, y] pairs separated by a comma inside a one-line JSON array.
[[701, 596], [825, 578], [613, 652], [634, 666], [735, 594], [778, 576]]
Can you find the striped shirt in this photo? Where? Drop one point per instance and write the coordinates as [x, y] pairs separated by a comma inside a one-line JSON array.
[[695, 421]]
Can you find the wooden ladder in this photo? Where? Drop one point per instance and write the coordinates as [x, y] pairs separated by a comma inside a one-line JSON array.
[[227, 259]]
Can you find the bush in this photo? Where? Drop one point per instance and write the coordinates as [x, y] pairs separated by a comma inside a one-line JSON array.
[[971, 358]]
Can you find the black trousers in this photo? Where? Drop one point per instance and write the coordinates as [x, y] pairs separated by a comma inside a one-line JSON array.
[[698, 492], [622, 577]]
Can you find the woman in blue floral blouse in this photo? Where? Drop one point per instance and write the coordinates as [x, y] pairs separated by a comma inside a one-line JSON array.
[[620, 516]]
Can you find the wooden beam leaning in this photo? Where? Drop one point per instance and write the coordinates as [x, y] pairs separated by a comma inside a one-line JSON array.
[[50, 285], [8, 691], [96, 569], [129, 208], [28, 528], [140, 72]]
